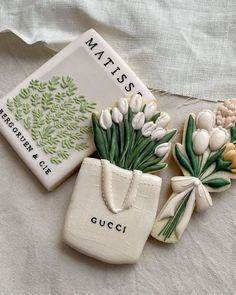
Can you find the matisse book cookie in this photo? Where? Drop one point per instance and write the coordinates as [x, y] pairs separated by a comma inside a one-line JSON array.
[[47, 118], [115, 199], [207, 158]]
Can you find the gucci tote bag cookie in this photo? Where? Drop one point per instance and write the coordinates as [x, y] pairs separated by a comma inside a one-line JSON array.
[[115, 199]]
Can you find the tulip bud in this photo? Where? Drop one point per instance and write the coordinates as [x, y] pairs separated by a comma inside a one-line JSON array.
[[162, 149], [205, 120], [117, 117], [105, 119], [123, 105], [158, 133], [200, 141], [218, 137], [148, 128], [138, 121], [136, 103], [163, 120], [150, 110], [230, 155]]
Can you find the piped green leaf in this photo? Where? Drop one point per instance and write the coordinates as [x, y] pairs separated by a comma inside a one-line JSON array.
[[154, 168], [99, 138], [127, 133], [189, 144], [53, 112], [217, 182], [113, 143], [222, 165], [167, 137], [183, 160], [150, 162], [212, 159]]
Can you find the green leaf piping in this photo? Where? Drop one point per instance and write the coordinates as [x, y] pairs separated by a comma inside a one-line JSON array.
[[189, 144], [217, 182], [54, 114]]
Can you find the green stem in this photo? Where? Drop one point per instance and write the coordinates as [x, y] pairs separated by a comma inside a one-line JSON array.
[[138, 136], [208, 175], [127, 138], [201, 160], [121, 134], [149, 162], [137, 151], [170, 226], [189, 144], [134, 135], [201, 172], [131, 146], [113, 143], [147, 152]]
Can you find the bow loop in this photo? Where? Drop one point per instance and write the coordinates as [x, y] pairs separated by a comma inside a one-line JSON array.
[[203, 199], [181, 183]]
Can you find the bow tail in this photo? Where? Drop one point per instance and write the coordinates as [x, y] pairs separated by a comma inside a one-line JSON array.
[[203, 199], [180, 228]]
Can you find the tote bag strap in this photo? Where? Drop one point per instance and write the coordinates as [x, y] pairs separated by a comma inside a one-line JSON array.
[[107, 192]]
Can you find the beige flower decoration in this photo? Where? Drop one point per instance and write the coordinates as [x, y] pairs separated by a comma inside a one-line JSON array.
[[226, 113]]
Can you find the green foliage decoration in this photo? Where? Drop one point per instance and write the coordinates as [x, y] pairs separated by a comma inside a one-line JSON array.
[[54, 114]]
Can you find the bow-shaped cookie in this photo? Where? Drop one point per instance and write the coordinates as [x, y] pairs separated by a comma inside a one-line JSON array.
[[207, 158]]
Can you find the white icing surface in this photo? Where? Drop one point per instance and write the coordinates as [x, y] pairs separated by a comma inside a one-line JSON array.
[[111, 218]]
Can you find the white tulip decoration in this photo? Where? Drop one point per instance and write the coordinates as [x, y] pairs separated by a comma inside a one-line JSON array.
[[130, 136], [123, 105], [163, 120], [218, 137], [150, 110], [136, 103], [205, 120], [117, 116], [138, 121], [162, 149], [148, 128], [105, 119], [200, 141], [158, 133]]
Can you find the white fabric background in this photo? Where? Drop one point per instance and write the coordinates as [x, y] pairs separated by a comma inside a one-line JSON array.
[[185, 47], [33, 259]]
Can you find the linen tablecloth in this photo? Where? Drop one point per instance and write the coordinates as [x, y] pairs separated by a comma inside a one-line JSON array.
[[184, 47]]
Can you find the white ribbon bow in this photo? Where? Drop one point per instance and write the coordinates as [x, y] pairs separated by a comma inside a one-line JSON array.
[[199, 199]]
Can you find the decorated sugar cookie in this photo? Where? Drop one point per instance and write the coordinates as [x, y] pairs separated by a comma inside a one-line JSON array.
[[115, 198], [207, 158], [47, 118]]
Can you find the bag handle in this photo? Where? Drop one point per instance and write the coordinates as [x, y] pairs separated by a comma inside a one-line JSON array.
[[107, 192]]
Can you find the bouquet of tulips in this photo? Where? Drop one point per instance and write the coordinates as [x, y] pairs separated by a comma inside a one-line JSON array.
[[207, 158], [133, 135]]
